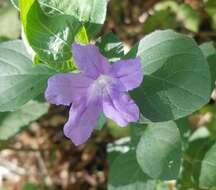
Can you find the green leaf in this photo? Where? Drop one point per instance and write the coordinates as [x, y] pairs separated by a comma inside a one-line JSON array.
[[160, 19], [17, 46], [117, 148], [19, 80], [125, 174], [173, 65], [110, 46], [192, 159], [12, 122], [185, 131], [136, 131], [189, 17], [50, 37], [209, 52], [208, 49], [207, 177], [3, 38], [210, 8], [82, 36], [90, 12], [159, 151], [116, 131], [30, 186], [200, 133], [101, 122]]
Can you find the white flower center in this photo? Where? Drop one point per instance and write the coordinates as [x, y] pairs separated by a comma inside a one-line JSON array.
[[100, 86], [102, 81]]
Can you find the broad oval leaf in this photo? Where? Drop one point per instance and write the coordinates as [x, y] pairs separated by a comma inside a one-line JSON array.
[[209, 51], [90, 12], [50, 37], [12, 122], [176, 77], [159, 151], [125, 174], [19, 80], [207, 177]]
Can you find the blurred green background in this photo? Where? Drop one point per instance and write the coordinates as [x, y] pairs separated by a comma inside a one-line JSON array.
[[41, 158]]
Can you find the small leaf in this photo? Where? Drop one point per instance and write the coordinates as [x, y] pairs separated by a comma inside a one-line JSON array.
[[189, 17], [208, 49], [125, 174], [161, 19], [12, 122], [50, 37], [193, 157], [82, 36], [173, 65], [92, 13], [111, 47], [210, 8], [200, 133], [19, 80], [101, 122], [185, 131], [207, 177], [159, 151]]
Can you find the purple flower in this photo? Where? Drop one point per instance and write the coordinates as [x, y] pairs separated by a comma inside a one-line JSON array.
[[98, 87]]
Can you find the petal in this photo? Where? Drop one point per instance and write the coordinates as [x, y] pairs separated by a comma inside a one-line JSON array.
[[82, 121], [63, 89], [129, 72], [89, 60], [120, 108]]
